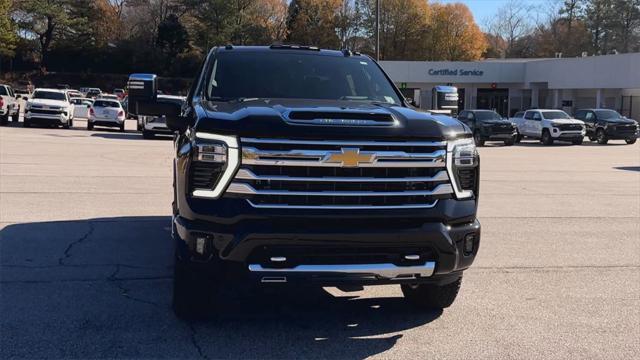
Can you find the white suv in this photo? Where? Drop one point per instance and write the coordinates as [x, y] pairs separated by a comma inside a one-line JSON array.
[[550, 125], [8, 105], [49, 107]]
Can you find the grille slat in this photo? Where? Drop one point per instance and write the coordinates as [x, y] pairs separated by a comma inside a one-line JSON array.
[[301, 174]]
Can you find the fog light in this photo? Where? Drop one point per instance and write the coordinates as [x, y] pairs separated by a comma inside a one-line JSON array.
[[200, 244], [468, 245]]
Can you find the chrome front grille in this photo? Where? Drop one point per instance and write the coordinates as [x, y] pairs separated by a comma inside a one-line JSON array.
[[310, 174]]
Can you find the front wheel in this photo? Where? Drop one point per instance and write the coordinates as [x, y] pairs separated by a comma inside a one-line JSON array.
[[511, 141], [630, 141], [546, 138], [601, 137], [478, 139], [431, 296]]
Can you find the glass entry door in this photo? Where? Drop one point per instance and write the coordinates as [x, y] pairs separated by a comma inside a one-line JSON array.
[[494, 99]]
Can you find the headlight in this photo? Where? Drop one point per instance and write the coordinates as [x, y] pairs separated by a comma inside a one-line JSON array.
[[462, 167], [217, 158], [27, 107]]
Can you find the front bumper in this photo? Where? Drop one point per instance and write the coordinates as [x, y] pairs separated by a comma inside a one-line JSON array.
[[567, 135], [490, 134], [49, 119], [616, 134], [334, 250]]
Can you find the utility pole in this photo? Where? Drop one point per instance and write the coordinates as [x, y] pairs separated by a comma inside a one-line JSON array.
[[378, 30]]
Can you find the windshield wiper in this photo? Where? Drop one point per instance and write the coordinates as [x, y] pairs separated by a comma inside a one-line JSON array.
[[232, 99]]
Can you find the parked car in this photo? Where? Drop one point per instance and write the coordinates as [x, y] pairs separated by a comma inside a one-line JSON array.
[[106, 112], [157, 125], [605, 124], [81, 107], [93, 93], [301, 165], [108, 97], [488, 125], [9, 106], [49, 107], [549, 125], [74, 93], [119, 93]]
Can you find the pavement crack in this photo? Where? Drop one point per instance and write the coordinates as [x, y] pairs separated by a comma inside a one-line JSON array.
[[194, 341], [67, 251], [124, 291]]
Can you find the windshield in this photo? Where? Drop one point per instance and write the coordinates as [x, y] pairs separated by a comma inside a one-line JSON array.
[[487, 115], [49, 95], [608, 114], [106, 103], [3, 90], [552, 115], [298, 76]]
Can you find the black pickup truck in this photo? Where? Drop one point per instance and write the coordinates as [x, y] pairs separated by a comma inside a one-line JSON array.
[[306, 166]]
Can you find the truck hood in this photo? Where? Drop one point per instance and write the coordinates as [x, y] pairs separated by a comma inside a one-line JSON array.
[[566, 121], [497, 122], [620, 121], [273, 118], [48, 102]]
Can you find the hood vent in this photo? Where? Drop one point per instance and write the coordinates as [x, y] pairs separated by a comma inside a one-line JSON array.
[[338, 118]]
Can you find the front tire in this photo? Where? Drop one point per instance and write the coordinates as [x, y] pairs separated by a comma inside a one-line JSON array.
[[511, 141], [429, 296], [601, 137], [4, 120], [630, 141], [477, 138], [546, 138]]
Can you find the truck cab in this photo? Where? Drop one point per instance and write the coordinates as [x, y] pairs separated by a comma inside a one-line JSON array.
[[296, 165]]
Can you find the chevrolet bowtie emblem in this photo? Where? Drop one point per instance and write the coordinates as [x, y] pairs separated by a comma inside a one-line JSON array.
[[349, 158]]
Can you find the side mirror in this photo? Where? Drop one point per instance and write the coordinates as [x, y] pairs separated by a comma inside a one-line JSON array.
[[177, 123]]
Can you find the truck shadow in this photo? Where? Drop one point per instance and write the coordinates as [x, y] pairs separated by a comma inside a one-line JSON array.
[[85, 287]]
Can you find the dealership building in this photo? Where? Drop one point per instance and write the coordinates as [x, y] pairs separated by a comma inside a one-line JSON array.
[[509, 85]]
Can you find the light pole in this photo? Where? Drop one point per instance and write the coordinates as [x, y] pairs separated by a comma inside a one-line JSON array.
[[378, 30]]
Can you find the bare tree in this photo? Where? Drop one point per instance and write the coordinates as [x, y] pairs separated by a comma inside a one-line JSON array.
[[512, 22]]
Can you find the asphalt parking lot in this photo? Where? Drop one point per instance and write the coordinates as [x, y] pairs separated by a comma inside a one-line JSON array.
[[86, 263]]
